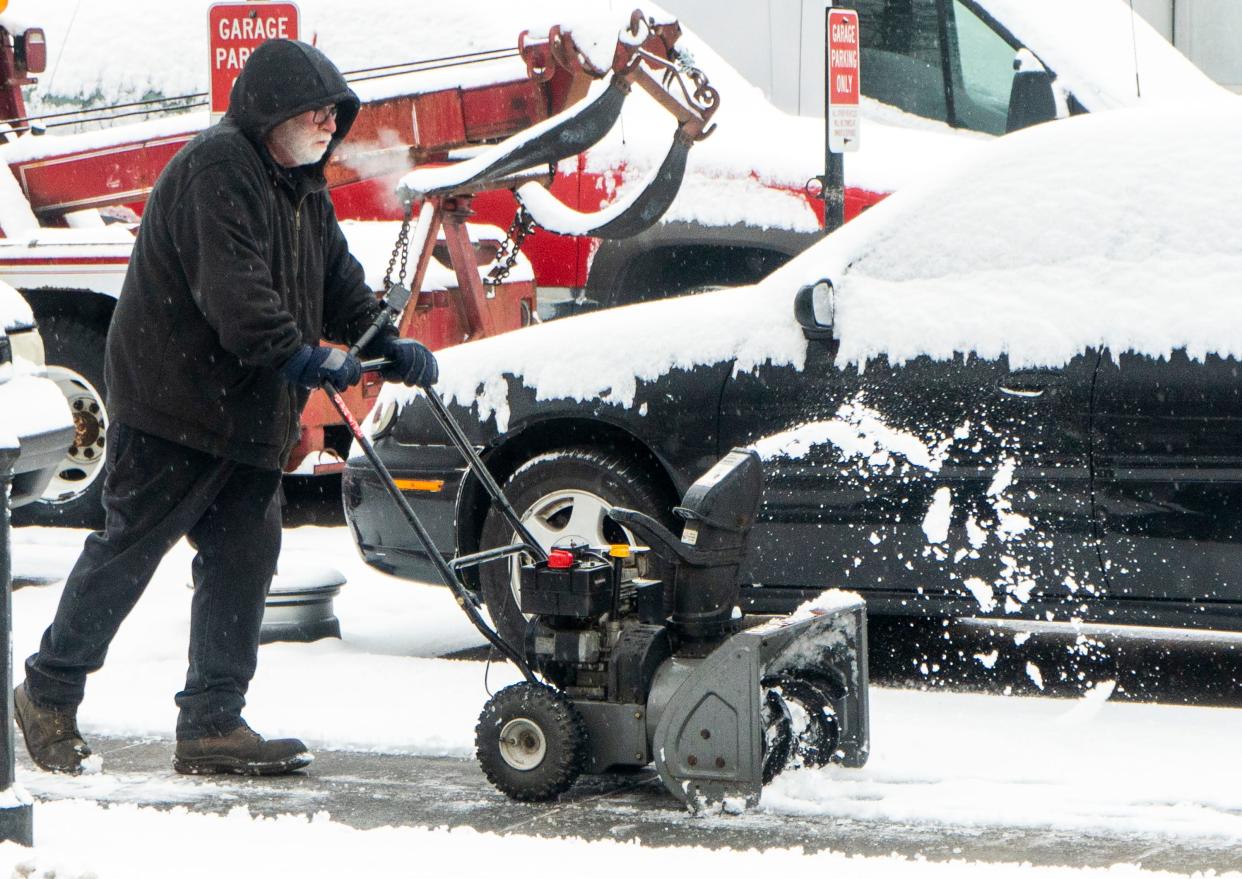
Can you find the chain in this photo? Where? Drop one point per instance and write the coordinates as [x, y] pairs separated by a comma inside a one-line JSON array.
[[507, 256], [401, 248]]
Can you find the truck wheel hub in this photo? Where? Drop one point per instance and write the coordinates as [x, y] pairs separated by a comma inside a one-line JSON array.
[[88, 429]]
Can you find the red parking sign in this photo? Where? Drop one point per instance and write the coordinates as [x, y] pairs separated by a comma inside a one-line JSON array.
[[234, 31], [843, 79]]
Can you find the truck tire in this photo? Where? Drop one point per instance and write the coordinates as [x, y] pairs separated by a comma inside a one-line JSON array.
[[74, 352], [559, 494]]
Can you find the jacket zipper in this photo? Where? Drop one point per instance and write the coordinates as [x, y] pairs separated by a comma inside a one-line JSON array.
[[297, 237], [291, 425]]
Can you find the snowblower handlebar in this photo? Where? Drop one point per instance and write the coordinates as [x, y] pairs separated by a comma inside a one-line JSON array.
[[393, 303]]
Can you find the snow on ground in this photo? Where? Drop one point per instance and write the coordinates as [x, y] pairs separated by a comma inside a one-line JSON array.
[[937, 758], [392, 632], [81, 840]]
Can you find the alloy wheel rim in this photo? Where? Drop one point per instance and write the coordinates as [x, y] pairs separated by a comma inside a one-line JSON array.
[[560, 515]]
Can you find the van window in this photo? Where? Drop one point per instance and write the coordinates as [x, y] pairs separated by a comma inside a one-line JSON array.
[[982, 72], [901, 58], [937, 59]]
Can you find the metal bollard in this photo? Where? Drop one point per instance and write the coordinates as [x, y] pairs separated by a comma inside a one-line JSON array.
[[16, 808]]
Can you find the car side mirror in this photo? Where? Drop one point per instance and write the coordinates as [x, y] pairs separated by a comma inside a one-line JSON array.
[[815, 309], [1031, 100]]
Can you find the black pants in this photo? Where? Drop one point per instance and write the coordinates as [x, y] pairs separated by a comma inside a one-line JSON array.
[[155, 493]]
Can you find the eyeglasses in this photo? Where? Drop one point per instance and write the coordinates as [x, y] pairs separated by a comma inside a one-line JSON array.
[[324, 114]]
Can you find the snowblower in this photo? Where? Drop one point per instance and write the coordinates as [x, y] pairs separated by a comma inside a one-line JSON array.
[[623, 672], [620, 673]]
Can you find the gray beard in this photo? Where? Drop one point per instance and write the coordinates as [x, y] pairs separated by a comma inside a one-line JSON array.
[[303, 149], [308, 154]]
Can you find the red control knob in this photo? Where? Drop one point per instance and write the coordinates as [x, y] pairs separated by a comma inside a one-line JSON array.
[[560, 559]]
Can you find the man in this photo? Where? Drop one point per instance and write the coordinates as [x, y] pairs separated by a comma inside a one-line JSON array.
[[238, 270]]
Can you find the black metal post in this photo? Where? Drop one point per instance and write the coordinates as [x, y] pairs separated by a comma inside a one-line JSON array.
[[16, 810], [834, 163]]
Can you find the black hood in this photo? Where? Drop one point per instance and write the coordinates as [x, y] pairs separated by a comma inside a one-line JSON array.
[[283, 78]]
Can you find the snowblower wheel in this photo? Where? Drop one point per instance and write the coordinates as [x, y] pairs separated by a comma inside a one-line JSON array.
[[805, 731], [530, 742]]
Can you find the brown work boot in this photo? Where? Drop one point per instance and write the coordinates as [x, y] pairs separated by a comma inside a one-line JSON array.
[[51, 734], [241, 752]]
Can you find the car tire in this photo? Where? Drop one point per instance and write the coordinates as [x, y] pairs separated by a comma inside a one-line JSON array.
[[74, 353], [557, 494]]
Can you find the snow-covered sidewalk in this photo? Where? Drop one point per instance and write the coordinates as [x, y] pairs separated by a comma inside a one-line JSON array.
[[963, 760], [79, 839]]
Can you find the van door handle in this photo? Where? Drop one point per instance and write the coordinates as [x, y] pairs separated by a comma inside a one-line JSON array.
[[1029, 383]]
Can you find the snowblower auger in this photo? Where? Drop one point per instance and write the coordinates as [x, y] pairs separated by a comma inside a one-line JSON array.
[[744, 696]]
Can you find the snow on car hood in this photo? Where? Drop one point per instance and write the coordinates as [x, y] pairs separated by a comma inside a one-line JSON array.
[[607, 353], [1113, 230]]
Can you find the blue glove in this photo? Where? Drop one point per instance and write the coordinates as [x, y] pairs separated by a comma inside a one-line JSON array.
[[409, 362], [314, 366]]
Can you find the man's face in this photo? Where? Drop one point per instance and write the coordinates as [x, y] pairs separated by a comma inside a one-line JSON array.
[[302, 139]]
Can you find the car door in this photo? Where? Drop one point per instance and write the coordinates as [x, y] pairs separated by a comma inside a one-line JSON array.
[[1169, 477], [959, 480]]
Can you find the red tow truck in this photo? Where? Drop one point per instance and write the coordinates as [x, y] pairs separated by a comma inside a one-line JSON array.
[[72, 202]]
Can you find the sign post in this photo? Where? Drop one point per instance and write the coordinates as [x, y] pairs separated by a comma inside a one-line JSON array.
[[842, 89], [16, 808], [234, 31]]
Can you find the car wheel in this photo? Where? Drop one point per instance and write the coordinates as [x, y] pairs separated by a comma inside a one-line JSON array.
[[74, 352], [558, 495]]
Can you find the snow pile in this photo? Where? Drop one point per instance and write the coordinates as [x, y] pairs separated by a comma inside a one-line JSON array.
[[1068, 765], [14, 311], [30, 404]]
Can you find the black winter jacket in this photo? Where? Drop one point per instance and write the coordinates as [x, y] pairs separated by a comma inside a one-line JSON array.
[[238, 263]]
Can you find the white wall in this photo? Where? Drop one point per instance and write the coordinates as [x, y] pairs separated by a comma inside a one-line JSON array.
[[1209, 32]]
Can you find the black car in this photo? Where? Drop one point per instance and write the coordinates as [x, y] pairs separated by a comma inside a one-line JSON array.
[[1011, 392]]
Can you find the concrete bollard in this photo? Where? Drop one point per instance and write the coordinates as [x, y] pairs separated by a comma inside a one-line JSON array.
[[16, 808]]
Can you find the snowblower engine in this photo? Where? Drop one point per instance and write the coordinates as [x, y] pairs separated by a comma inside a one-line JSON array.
[[670, 671]]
